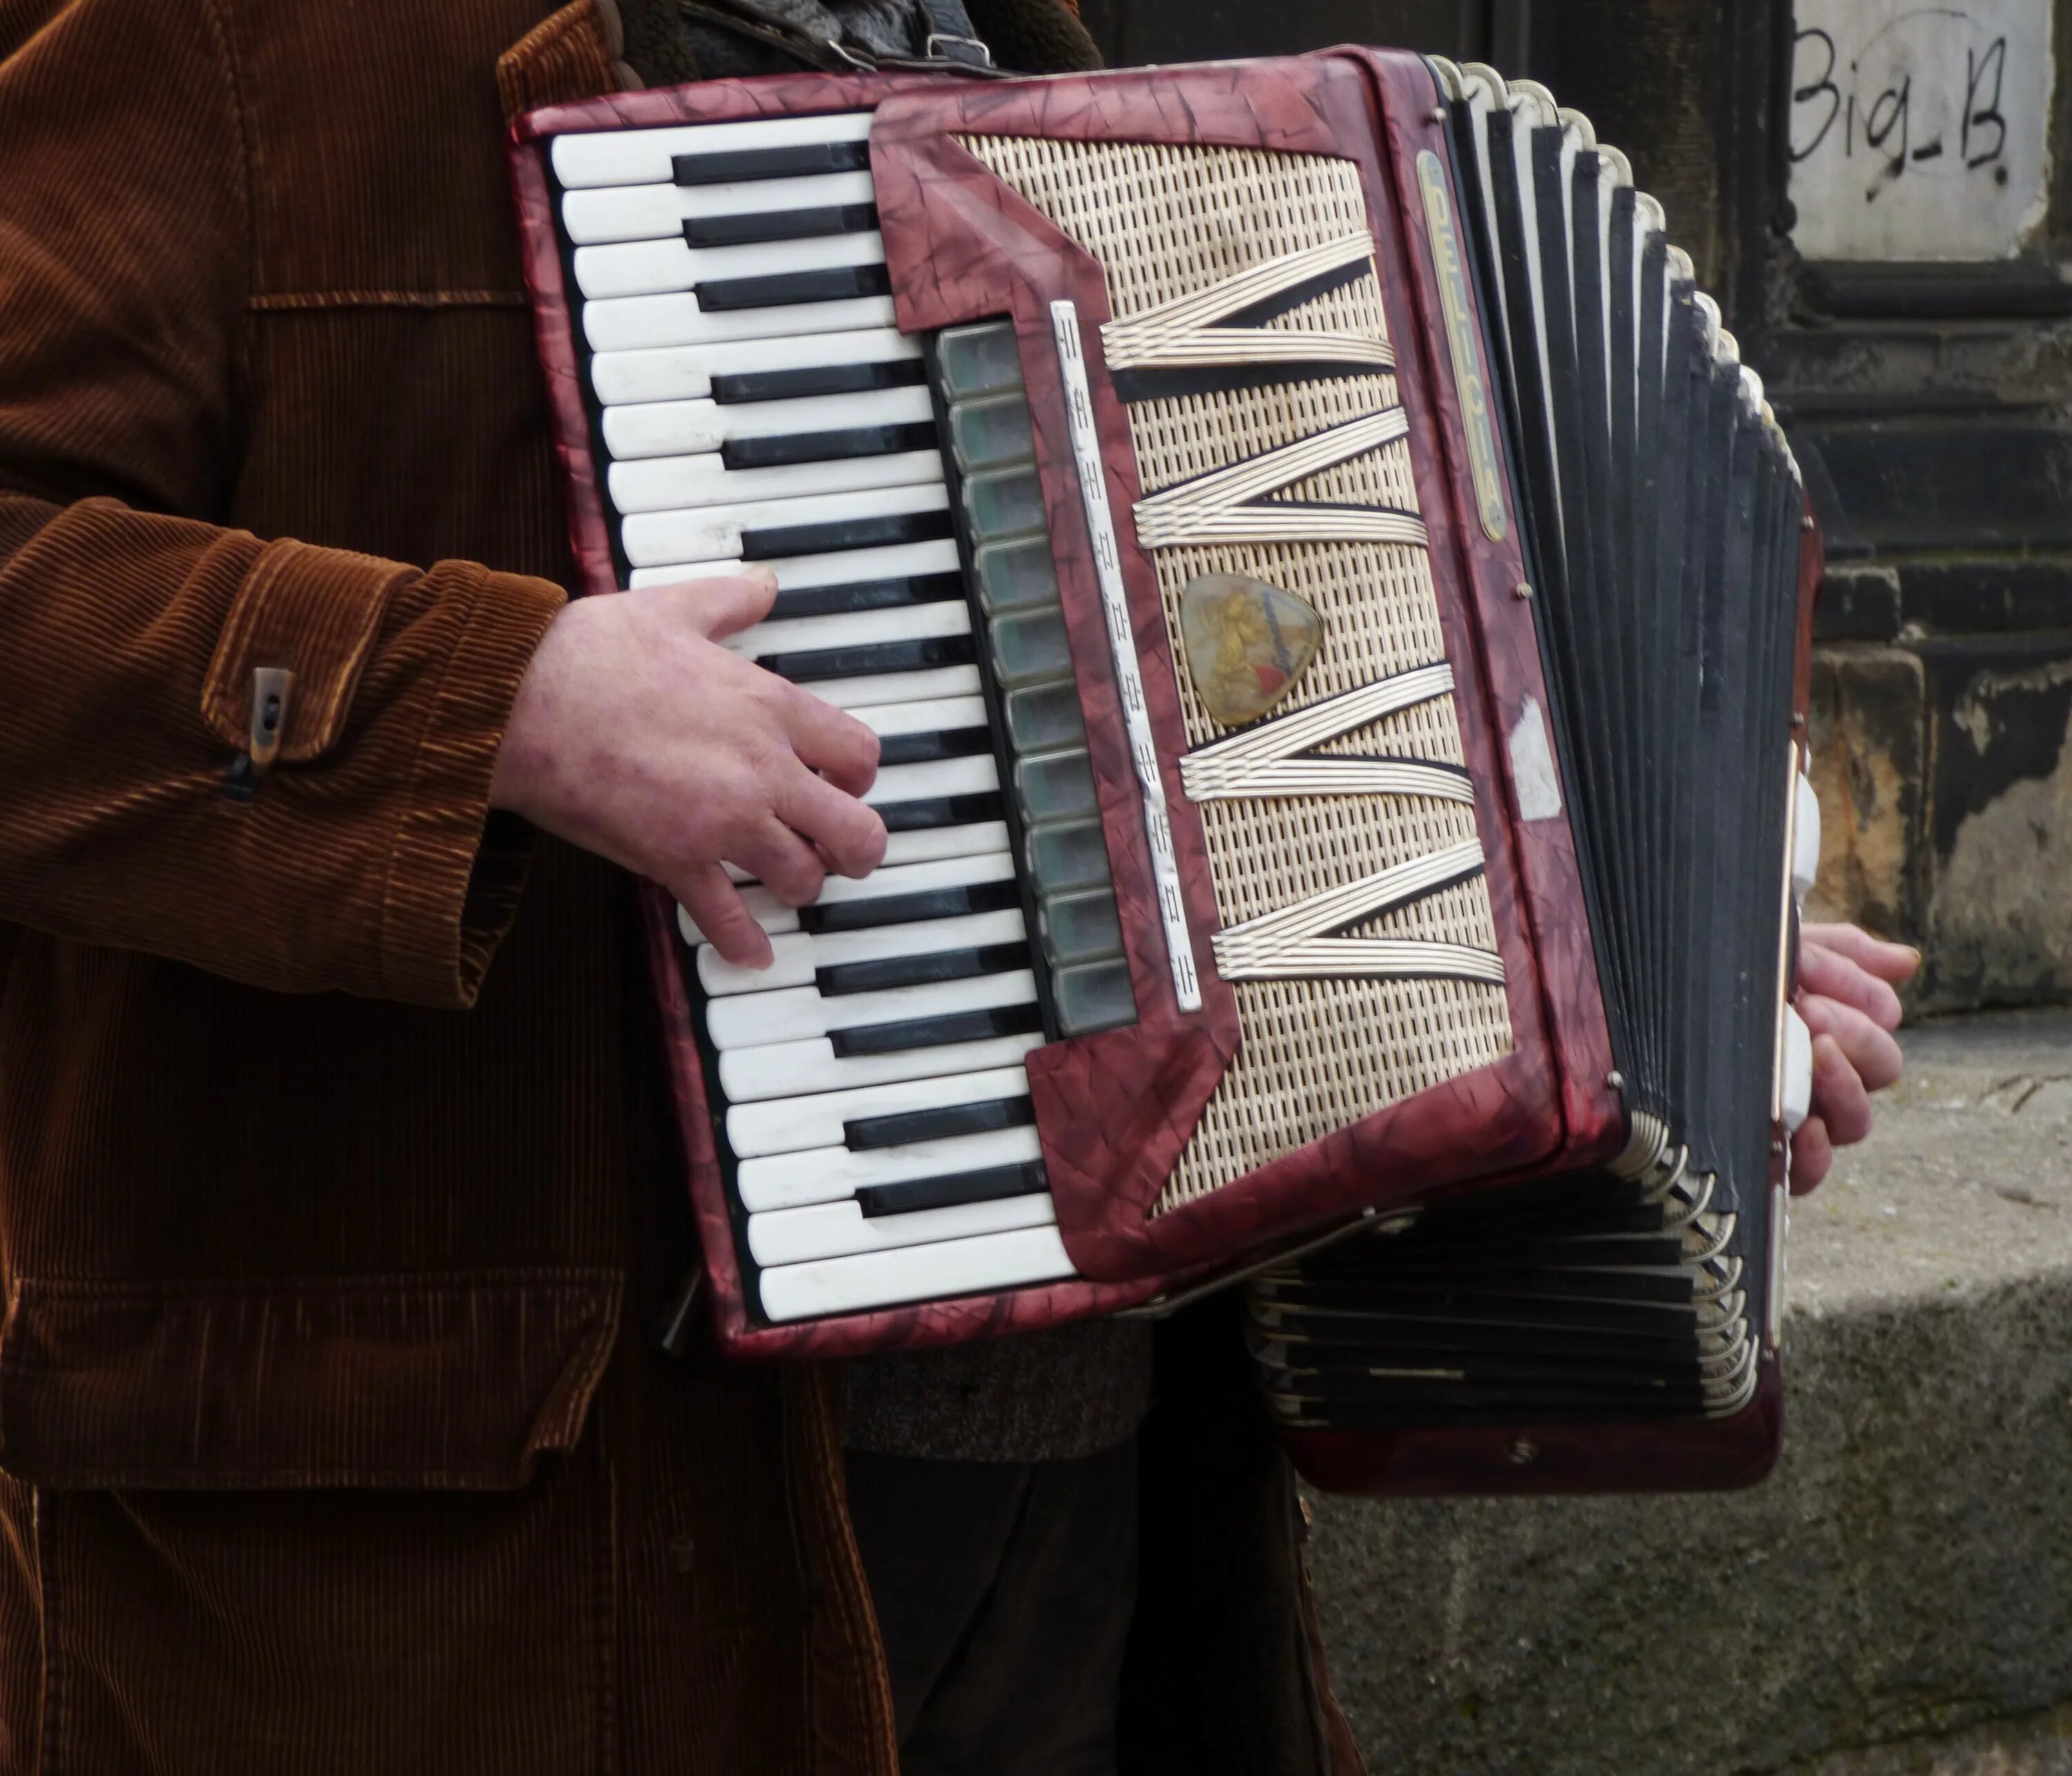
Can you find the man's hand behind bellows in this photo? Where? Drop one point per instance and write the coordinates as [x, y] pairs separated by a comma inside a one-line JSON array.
[[1846, 983], [637, 736]]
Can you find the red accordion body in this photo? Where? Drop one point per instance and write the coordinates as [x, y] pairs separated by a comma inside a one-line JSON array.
[[1115, 1111]]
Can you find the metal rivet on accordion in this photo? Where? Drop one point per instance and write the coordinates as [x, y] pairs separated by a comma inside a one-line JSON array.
[[1246, 643], [1615, 1080], [1522, 1453], [1438, 113], [1524, 588]]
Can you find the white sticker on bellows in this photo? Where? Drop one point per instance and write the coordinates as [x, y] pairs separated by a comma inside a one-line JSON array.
[[1805, 843], [1796, 1095], [1532, 766]]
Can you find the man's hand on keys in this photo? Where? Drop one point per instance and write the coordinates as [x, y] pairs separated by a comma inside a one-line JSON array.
[[1846, 978], [635, 735]]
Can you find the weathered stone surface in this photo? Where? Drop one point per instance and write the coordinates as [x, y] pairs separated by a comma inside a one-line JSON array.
[[2034, 1744], [1945, 791], [1909, 1569], [1999, 921], [1866, 728]]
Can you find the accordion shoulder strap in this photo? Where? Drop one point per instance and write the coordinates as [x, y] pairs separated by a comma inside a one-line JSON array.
[[951, 37]]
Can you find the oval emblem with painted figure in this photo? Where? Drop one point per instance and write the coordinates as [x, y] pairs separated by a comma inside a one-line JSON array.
[[1246, 643]]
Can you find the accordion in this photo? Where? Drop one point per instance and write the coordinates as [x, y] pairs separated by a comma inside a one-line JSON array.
[[1336, 614]]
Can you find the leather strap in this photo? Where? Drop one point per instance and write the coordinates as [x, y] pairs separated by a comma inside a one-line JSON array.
[[951, 37], [953, 44]]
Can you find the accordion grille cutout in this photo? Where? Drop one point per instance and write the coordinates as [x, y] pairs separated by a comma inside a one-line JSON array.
[[1317, 1053]]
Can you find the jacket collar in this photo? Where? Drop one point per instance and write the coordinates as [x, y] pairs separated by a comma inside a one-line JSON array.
[[576, 53]]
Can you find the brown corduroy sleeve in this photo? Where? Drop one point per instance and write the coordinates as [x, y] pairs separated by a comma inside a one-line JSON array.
[[131, 629]]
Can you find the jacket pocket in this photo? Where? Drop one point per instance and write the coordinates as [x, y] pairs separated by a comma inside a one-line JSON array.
[[454, 1381]]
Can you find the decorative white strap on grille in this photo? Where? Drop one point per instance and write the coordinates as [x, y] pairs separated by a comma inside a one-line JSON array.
[[1294, 940], [1184, 334], [1339, 777], [1231, 505], [1265, 760], [1122, 646]]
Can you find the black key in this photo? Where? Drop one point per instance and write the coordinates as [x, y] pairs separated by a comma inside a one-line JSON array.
[[748, 231], [904, 1127], [782, 289], [809, 666], [860, 916], [990, 1185], [919, 971], [903, 527], [735, 389], [833, 600], [775, 453], [925, 815], [956, 1026], [793, 162], [922, 749]]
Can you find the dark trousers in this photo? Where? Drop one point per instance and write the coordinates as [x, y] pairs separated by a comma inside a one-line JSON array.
[[1004, 1593]]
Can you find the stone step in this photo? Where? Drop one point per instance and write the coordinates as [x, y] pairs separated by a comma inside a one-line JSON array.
[[1907, 1572]]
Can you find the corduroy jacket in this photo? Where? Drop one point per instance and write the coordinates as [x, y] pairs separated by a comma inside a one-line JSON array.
[[336, 1186]]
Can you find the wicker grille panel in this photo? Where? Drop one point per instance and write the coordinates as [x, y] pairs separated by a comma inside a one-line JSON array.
[[1317, 1053]]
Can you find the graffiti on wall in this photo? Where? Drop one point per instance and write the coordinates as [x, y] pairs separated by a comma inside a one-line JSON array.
[[1919, 131]]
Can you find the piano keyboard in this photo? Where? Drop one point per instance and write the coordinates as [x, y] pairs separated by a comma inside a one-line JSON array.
[[756, 404]]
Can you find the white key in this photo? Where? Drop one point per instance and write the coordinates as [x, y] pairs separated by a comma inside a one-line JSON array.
[[925, 844], [774, 916], [780, 1069], [974, 774], [798, 954], [890, 561], [633, 324], [940, 715], [649, 212], [857, 694], [709, 533], [649, 268], [856, 629], [835, 1230], [922, 845], [640, 157], [793, 1124], [830, 1174], [750, 1021], [668, 483], [684, 372], [678, 428], [977, 1266]]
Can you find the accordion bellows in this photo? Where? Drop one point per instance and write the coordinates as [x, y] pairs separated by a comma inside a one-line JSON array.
[[1333, 608]]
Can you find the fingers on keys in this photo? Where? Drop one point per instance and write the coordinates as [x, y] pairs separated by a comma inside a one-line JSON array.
[[833, 742], [723, 917], [784, 863], [723, 605], [851, 835]]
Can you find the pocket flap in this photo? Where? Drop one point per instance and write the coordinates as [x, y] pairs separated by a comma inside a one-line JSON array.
[[458, 1380]]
